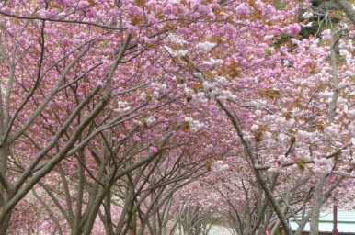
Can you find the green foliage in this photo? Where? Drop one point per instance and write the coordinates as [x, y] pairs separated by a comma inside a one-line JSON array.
[[281, 40], [314, 30], [279, 4], [267, 52]]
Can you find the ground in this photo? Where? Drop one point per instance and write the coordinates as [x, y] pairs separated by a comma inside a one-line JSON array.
[[218, 230]]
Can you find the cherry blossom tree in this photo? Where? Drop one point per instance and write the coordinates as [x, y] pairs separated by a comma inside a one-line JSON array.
[[110, 109]]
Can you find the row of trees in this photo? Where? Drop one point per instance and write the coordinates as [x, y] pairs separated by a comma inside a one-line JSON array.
[[152, 117]]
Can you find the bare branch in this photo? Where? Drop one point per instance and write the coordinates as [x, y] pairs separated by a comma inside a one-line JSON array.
[[251, 158], [62, 21], [39, 110]]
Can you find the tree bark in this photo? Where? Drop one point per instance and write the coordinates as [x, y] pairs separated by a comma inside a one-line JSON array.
[[317, 203], [4, 191]]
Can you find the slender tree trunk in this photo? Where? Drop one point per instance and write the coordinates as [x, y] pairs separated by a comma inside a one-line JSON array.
[[4, 224], [80, 195], [93, 210], [4, 192], [317, 203]]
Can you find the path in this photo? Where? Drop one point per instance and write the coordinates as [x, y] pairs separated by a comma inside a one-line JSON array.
[[218, 230]]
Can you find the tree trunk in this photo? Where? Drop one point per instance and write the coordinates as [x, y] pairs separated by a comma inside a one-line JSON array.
[[4, 222], [317, 203]]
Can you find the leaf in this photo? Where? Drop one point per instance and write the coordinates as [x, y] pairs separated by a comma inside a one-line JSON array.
[[56, 6], [258, 136], [149, 97], [92, 2], [300, 165], [208, 165], [233, 70], [136, 21], [139, 3], [352, 79], [196, 87], [186, 126], [104, 44], [267, 52], [144, 121], [288, 115], [320, 125], [284, 38], [260, 133], [270, 93], [279, 4]]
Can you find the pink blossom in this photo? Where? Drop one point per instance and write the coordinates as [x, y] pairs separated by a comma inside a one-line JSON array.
[[91, 13], [67, 3], [293, 29], [153, 149], [243, 9], [83, 4]]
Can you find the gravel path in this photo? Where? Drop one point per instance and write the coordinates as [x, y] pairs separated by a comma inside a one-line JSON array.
[[217, 230]]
